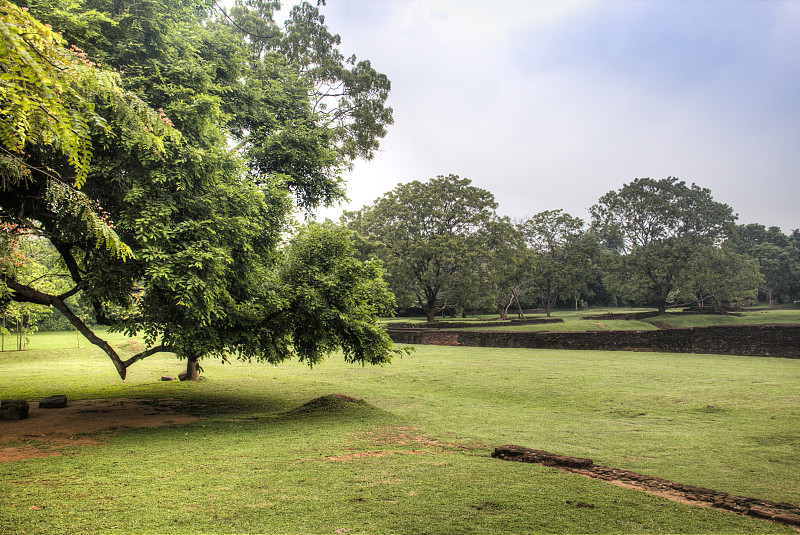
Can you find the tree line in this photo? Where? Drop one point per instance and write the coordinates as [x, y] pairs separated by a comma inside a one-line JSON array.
[[653, 242]]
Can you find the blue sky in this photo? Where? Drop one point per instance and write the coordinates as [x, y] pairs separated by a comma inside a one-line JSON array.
[[552, 104]]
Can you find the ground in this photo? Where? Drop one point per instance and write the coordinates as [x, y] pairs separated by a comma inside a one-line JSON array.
[[46, 431]]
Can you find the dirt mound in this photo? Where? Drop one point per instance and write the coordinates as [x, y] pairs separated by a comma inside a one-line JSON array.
[[332, 403], [45, 431]]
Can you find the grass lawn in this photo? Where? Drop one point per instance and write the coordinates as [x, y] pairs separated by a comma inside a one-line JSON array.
[[751, 317], [414, 459], [573, 320]]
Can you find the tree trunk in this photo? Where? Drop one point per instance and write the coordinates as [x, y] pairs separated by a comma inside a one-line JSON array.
[[770, 297], [192, 369], [430, 303], [502, 310], [662, 307], [431, 313]]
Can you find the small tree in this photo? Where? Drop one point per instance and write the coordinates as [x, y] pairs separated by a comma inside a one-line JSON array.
[[561, 264], [505, 267]]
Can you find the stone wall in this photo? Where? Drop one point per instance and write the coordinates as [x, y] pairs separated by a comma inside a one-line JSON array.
[[755, 340]]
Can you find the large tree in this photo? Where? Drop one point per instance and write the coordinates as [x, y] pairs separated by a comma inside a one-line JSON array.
[[432, 237], [185, 241], [656, 227]]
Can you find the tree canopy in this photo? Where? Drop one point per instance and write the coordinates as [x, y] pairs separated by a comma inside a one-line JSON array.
[[777, 254], [657, 226], [195, 172], [431, 237], [563, 256], [652, 242]]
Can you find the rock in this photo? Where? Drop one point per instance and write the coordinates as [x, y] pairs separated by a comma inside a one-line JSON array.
[[167, 378], [792, 520], [58, 401], [527, 455], [14, 409], [182, 376], [760, 512]]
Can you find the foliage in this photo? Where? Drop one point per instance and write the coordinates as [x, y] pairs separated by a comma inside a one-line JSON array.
[[504, 268], [657, 227], [778, 256], [49, 95], [199, 269], [334, 299], [721, 275], [32, 261], [431, 236], [344, 117], [563, 256], [43, 85]]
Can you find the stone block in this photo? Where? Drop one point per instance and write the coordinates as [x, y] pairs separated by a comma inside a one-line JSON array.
[[14, 409], [58, 401]]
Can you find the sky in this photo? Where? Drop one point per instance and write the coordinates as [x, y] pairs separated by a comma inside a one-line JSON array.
[[551, 104]]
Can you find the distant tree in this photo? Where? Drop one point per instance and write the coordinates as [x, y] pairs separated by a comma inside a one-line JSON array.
[[720, 275], [432, 240], [656, 227], [503, 268], [561, 263], [778, 256], [586, 268]]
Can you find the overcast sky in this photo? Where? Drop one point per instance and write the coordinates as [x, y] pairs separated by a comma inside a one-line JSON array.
[[551, 104]]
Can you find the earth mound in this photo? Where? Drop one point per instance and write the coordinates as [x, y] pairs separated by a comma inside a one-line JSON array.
[[332, 403]]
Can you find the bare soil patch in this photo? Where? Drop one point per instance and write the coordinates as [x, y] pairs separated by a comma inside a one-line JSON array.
[[382, 453], [46, 431]]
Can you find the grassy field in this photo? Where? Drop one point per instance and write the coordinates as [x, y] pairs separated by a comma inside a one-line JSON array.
[[573, 320], [778, 315], [414, 458]]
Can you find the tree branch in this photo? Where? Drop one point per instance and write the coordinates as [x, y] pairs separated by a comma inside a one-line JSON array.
[[69, 293], [65, 250], [146, 353], [23, 293]]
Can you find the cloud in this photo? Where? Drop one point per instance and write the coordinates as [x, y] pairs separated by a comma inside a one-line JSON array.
[[550, 105]]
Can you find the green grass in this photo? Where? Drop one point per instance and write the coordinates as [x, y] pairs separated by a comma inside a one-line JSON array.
[[573, 320], [749, 317], [258, 462], [572, 323]]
